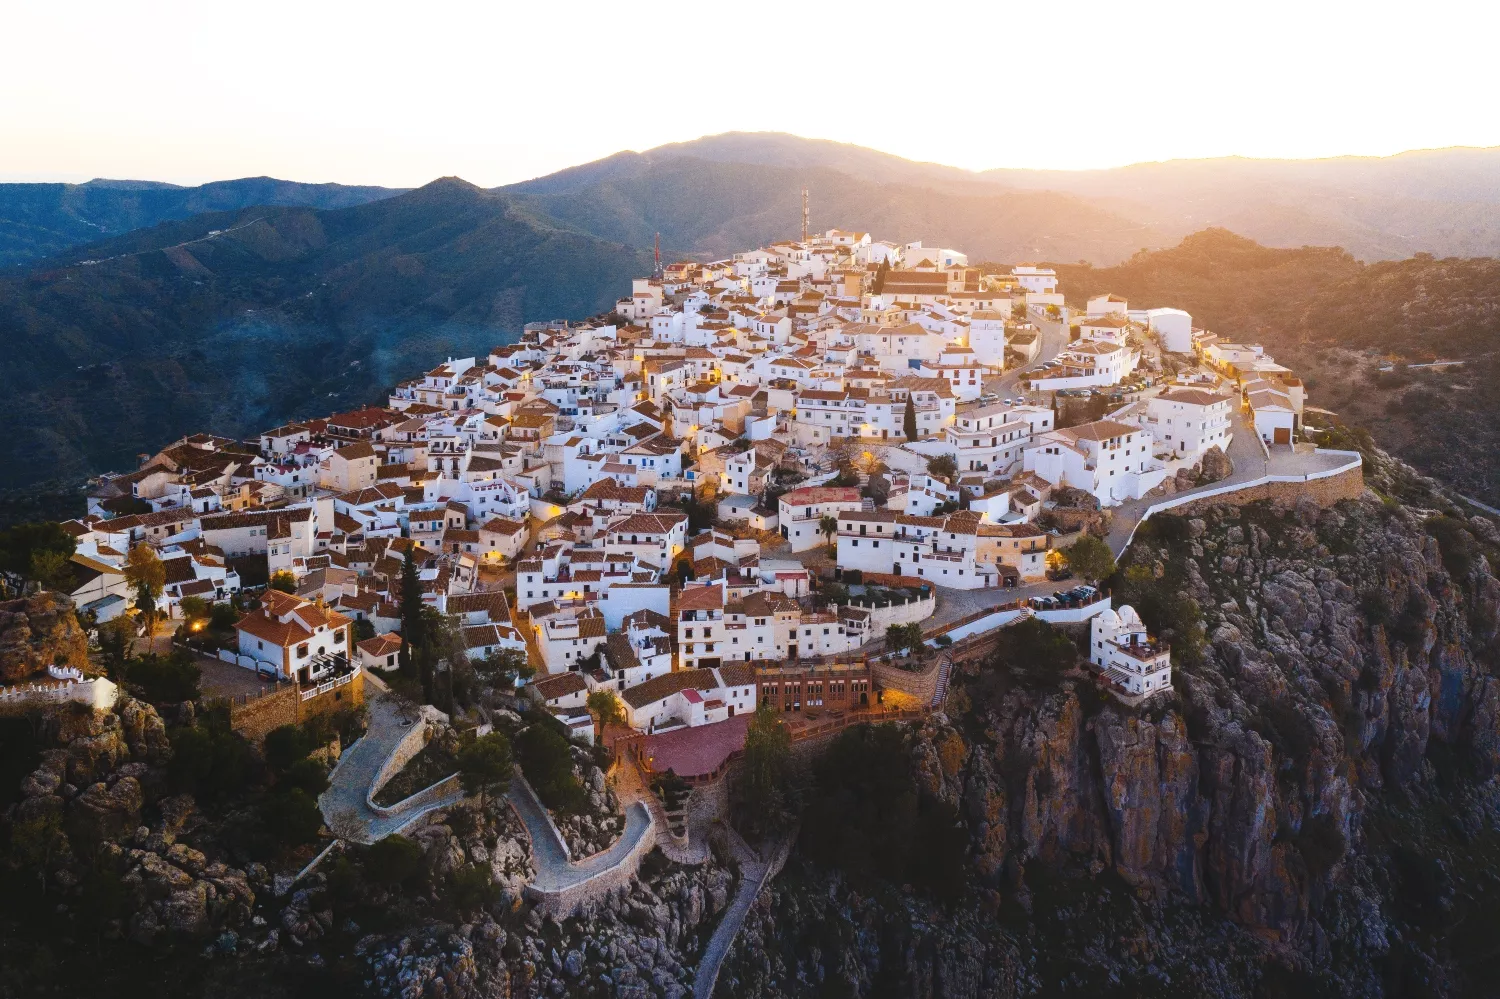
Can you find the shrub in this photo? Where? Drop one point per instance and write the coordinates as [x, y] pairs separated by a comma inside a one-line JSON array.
[[392, 861], [287, 745], [869, 819], [485, 763], [292, 817], [1321, 843], [209, 760], [165, 679], [309, 776], [471, 887]]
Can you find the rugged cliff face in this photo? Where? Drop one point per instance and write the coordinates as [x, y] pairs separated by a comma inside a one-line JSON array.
[[1310, 810], [36, 632]]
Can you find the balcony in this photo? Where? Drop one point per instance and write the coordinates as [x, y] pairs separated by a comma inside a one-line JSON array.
[[327, 673]]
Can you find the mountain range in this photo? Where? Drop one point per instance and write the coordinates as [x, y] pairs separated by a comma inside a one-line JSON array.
[[134, 311]]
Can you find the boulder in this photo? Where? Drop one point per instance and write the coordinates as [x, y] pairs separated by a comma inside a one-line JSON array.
[[108, 811]]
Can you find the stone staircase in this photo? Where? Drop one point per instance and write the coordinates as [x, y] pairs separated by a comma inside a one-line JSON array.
[[945, 670]]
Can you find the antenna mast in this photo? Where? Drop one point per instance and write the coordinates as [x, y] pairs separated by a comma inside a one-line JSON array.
[[804, 215]]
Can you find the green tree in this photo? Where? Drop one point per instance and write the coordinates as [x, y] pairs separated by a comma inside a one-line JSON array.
[[308, 774], [168, 679], [878, 285], [292, 817], [942, 465], [194, 609], [547, 762], [284, 580], [1090, 558], [362, 629], [870, 818], [21, 545], [606, 708], [828, 526], [51, 570], [765, 797], [114, 646], [504, 667], [485, 763], [411, 616], [144, 572], [903, 637], [909, 421]]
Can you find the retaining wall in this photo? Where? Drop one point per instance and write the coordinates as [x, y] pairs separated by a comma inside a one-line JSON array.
[[922, 686], [564, 902], [1325, 488], [255, 717]]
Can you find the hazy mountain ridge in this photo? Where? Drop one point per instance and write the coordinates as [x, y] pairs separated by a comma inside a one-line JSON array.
[[286, 312], [40, 220], [1444, 201], [711, 208]]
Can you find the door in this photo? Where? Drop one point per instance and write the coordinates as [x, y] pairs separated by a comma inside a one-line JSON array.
[[1283, 435]]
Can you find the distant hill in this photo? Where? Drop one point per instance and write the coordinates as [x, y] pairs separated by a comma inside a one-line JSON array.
[[744, 187], [286, 312], [39, 220], [1440, 201], [711, 207]]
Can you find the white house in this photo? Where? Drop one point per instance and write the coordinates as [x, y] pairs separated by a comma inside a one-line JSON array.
[[1174, 327], [1120, 646], [1188, 422], [802, 510], [1110, 460]]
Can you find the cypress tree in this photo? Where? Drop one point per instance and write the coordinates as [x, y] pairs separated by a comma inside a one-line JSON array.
[[909, 423], [411, 614]]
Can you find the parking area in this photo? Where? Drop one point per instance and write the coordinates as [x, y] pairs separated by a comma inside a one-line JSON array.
[[220, 679]]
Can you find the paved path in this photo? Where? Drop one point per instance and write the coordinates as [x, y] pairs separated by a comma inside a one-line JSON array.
[[630, 788], [754, 873], [554, 871], [1052, 337], [346, 802]]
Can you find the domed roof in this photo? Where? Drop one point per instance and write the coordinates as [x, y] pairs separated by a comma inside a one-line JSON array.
[[1129, 618], [1109, 620]]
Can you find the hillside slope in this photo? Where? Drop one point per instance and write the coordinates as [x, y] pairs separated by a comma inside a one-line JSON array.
[[711, 208], [1440, 201], [286, 312], [39, 220]]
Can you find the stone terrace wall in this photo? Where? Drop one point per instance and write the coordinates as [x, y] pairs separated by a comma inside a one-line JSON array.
[[254, 717], [922, 686], [1346, 484], [568, 901]]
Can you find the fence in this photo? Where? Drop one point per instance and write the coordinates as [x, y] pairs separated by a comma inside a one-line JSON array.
[[96, 692]]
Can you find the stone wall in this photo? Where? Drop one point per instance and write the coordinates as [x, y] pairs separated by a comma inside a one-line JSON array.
[[254, 717], [1346, 484], [922, 686], [412, 742]]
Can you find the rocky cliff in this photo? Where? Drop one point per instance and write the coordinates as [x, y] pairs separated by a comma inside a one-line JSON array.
[[1311, 809], [37, 632]]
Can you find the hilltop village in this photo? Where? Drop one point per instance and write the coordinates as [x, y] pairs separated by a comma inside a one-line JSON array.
[[741, 486]]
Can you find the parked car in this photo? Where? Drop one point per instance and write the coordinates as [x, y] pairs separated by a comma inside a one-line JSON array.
[[268, 672], [1058, 575]]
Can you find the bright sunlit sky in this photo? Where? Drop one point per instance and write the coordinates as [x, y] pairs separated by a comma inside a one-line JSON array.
[[397, 94]]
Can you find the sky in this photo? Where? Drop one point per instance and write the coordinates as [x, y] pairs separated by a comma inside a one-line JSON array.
[[397, 94]]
